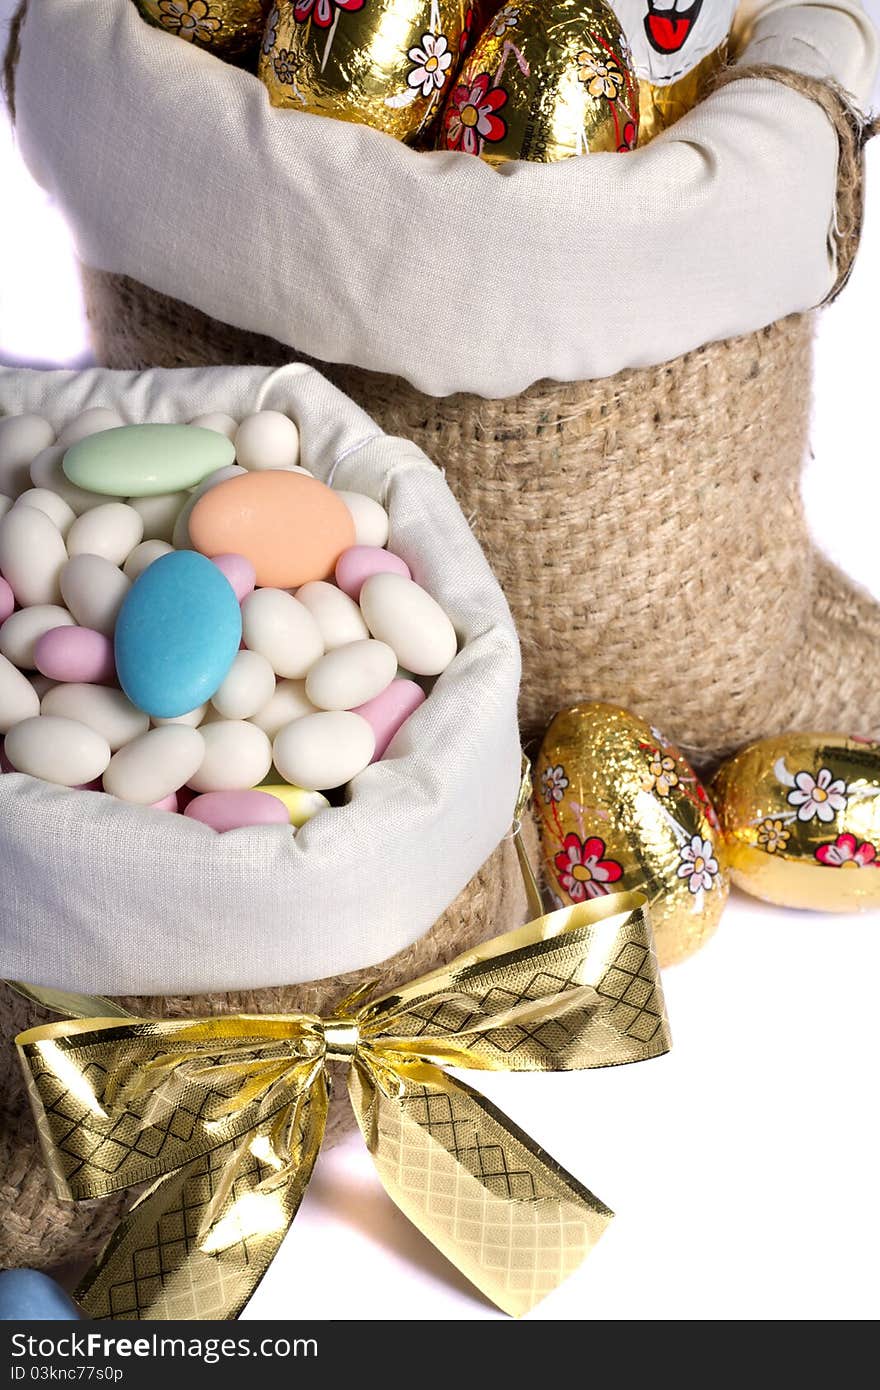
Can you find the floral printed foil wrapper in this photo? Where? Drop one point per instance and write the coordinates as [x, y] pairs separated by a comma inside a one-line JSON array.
[[620, 808], [227, 27], [677, 47], [383, 64], [545, 81], [800, 817]]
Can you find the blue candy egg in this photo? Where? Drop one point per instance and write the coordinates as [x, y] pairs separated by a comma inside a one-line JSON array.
[[177, 634], [26, 1295]]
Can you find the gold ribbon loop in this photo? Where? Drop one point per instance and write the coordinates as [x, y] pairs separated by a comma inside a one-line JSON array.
[[226, 1116]]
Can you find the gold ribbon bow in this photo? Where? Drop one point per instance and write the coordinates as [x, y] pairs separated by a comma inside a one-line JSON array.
[[225, 1116]]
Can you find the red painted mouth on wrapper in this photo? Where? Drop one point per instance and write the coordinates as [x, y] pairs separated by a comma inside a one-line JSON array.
[[669, 30]]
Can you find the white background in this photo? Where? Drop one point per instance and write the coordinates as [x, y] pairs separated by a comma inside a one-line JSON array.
[[743, 1166]]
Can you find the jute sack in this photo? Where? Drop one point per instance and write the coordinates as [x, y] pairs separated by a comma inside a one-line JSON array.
[[647, 525], [177, 921]]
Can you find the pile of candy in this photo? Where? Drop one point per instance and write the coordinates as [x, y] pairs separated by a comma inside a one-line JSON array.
[[231, 641]]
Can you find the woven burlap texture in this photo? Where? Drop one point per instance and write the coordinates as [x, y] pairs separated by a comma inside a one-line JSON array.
[[39, 1231]]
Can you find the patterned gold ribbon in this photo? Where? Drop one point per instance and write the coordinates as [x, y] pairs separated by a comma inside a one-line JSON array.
[[224, 1117]]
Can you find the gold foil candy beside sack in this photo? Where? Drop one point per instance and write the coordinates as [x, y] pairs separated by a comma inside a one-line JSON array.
[[226, 27], [620, 808], [546, 81], [800, 816], [386, 65]]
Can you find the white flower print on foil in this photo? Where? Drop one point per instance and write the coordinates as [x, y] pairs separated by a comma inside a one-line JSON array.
[[432, 62], [821, 796], [698, 864], [504, 20], [553, 783]]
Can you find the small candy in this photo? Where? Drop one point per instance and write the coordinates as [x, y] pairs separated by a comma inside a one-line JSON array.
[[75, 654], [112, 530], [55, 507], [159, 514], [143, 556], [57, 750], [167, 803], [359, 563], [351, 675], [176, 635], [32, 555], [290, 526], [267, 439], [154, 765], [94, 591], [143, 460], [18, 699], [240, 573], [20, 633], [288, 703], [26, 1295], [387, 712], [323, 750], [237, 756], [92, 421], [247, 687], [101, 708], [404, 615], [46, 472], [370, 518], [192, 719], [299, 805], [216, 420], [7, 600], [283, 630], [338, 617], [233, 810], [22, 437]]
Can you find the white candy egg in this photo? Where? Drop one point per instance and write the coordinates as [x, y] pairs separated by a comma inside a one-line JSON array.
[[92, 421], [159, 513], [18, 699], [55, 508], [247, 687], [283, 630], [338, 617], [112, 531], [101, 707], [289, 702], [267, 439], [370, 518], [218, 421], [323, 750], [143, 556], [153, 766], [22, 631], [32, 555], [46, 472], [58, 750], [398, 611], [94, 591], [237, 756], [351, 675], [192, 718], [22, 437]]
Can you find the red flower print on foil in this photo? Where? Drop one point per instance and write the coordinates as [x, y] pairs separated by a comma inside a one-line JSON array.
[[847, 850], [323, 12], [471, 115], [582, 870], [467, 32], [628, 138]]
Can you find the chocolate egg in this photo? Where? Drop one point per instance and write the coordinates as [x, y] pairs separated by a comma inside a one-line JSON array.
[[619, 808], [386, 65], [545, 81], [800, 819], [677, 47], [227, 27]]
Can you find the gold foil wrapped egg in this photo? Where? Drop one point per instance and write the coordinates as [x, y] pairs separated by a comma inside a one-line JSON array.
[[677, 47], [548, 79], [619, 808], [382, 63], [227, 27], [800, 817]]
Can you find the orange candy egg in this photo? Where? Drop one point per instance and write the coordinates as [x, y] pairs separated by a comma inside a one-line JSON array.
[[291, 527]]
